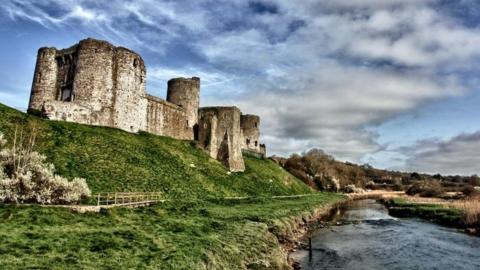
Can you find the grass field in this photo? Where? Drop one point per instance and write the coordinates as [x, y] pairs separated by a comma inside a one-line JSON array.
[[174, 235], [194, 229]]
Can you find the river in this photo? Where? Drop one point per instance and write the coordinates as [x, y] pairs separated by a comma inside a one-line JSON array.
[[364, 236]]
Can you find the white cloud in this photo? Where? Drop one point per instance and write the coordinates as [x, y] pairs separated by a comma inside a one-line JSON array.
[[458, 155]]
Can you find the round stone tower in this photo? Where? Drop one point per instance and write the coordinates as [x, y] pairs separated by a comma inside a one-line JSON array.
[[44, 79], [185, 93]]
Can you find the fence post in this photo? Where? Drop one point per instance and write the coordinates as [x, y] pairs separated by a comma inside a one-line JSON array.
[[98, 199], [115, 202]]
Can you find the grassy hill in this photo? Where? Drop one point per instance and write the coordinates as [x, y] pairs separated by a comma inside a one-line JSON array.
[[186, 233], [114, 160]]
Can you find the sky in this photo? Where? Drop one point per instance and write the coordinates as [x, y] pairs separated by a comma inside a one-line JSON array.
[[390, 83]]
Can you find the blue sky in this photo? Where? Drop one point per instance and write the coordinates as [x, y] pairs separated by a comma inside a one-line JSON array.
[[391, 83]]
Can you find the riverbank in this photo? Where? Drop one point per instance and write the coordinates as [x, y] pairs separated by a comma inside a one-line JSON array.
[[457, 214], [223, 234]]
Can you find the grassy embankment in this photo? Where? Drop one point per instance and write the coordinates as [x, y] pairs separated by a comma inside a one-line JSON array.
[[114, 160], [456, 213], [194, 230]]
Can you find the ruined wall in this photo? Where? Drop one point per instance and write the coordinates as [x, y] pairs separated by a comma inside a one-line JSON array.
[[167, 119], [250, 132], [70, 112], [263, 150], [66, 67], [220, 135], [185, 93], [44, 79]]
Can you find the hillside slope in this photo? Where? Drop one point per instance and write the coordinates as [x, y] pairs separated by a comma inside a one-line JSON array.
[[114, 160]]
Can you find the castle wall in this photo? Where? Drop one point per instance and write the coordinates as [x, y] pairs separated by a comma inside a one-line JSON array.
[[167, 119], [263, 150], [44, 79], [250, 132], [220, 135], [185, 93], [70, 112]]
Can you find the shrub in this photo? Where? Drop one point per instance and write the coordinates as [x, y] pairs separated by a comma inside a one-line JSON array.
[[426, 189], [25, 177], [397, 187], [327, 183], [471, 192]]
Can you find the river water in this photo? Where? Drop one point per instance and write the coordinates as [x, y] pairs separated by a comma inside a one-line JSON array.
[[364, 236]]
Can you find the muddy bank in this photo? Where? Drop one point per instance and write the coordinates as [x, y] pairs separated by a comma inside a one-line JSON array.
[[289, 238]]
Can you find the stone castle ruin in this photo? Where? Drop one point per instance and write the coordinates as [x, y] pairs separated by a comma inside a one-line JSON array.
[[96, 83]]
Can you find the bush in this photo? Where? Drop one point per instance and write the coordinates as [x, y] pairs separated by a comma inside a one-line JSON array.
[[26, 178], [426, 189], [397, 187], [470, 191], [327, 183]]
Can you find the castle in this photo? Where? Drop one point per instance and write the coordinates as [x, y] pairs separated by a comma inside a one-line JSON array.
[[96, 83]]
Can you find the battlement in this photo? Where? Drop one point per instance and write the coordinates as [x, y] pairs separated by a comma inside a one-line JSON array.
[[94, 82]]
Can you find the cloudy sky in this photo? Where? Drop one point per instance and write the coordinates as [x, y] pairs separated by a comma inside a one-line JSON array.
[[392, 83]]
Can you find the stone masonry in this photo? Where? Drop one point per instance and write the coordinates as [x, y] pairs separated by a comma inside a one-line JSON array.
[[96, 83], [220, 135]]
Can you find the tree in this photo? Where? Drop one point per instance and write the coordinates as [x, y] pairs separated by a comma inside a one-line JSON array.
[[415, 176]]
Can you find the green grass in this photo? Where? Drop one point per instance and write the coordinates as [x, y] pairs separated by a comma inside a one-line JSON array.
[[194, 235], [432, 212], [114, 160], [195, 229]]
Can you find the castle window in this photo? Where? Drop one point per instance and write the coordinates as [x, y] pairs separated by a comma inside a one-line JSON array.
[[248, 141], [135, 62], [195, 132], [256, 143], [66, 95], [255, 124]]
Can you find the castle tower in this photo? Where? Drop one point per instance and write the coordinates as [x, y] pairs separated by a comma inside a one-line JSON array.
[[44, 79], [185, 93], [92, 82], [250, 132]]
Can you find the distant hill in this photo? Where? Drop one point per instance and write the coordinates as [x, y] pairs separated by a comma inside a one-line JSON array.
[[114, 160]]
